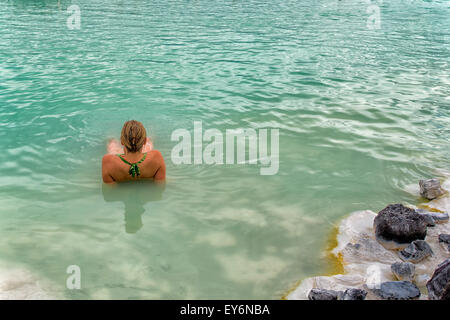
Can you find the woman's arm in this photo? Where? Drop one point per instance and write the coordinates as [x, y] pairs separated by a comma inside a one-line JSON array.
[[160, 174], [148, 146], [114, 147], [106, 165]]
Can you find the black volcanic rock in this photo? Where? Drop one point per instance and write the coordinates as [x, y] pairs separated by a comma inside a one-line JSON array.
[[445, 238], [416, 251], [348, 294], [439, 284], [397, 290], [396, 226], [353, 294], [324, 294]]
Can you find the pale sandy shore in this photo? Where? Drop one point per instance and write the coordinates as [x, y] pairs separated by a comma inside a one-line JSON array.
[[17, 283]]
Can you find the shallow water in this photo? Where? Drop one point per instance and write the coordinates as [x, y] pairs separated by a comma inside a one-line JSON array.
[[361, 112]]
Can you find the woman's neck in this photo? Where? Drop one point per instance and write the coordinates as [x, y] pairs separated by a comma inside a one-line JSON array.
[[132, 155]]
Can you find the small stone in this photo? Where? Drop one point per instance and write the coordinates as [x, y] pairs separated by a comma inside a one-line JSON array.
[[416, 251], [396, 226], [445, 238], [429, 220], [324, 294], [430, 189], [356, 246], [437, 217], [403, 271], [354, 294], [439, 284], [397, 290]]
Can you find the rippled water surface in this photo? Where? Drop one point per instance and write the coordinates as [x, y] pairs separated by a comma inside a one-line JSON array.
[[361, 114]]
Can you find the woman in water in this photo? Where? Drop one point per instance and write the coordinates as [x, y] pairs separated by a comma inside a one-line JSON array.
[[134, 158]]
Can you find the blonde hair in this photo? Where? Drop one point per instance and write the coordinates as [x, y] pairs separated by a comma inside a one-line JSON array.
[[133, 136]]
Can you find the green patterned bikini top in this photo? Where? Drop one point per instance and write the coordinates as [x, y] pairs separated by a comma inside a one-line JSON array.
[[134, 169]]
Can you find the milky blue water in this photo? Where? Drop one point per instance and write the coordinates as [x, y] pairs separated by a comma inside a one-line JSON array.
[[361, 112]]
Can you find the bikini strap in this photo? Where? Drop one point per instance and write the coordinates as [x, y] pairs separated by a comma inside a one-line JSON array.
[[134, 168]]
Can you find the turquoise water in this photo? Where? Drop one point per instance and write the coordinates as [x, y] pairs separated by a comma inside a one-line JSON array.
[[361, 113]]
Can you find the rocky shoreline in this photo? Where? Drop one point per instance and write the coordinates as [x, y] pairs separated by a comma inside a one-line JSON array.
[[401, 253]]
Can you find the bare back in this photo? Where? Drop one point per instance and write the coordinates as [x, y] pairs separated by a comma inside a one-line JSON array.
[[114, 169]]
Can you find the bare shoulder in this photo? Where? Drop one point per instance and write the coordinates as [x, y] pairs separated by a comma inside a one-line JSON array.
[[107, 168], [108, 158], [157, 162], [156, 154], [156, 157], [109, 162]]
